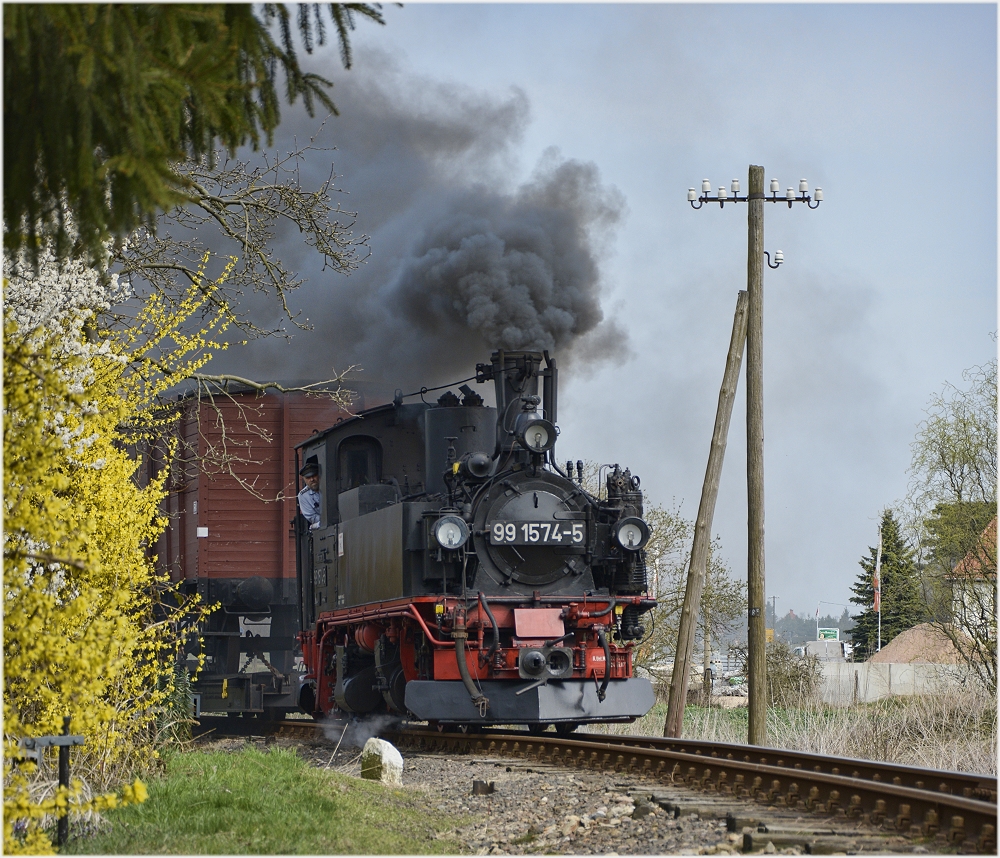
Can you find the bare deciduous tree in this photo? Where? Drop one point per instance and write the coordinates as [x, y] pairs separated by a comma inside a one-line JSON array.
[[952, 504], [237, 208], [668, 554]]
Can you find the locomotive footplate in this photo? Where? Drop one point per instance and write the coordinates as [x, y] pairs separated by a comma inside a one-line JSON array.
[[448, 701]]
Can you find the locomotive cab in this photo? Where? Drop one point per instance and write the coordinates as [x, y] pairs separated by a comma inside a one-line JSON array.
[[457, 575]]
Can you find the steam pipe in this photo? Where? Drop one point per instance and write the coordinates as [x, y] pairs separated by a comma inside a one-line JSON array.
[[603, 690], [415, 614], [549, 395], [585, 615], [460, 634], [496, 628]]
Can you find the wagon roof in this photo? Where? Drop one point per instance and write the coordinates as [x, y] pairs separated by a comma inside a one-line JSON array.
[[347, 421]]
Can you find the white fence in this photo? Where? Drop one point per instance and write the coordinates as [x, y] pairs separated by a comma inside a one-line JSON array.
[[845, 683]]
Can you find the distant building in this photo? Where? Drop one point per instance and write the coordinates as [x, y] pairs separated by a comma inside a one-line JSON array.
[[974, 588], [826, 650]]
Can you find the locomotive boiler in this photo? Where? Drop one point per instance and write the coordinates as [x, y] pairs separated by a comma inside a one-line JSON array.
[[458, 575]]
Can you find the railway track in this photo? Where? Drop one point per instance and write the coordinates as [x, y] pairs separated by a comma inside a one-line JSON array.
[[954, 808]]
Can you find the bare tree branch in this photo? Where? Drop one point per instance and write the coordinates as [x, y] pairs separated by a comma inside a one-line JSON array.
[[237, 208]]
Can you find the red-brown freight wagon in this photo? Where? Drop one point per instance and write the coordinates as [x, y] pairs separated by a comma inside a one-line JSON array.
[[231, 504]]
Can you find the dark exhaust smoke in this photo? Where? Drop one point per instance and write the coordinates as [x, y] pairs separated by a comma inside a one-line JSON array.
[[462, 261]]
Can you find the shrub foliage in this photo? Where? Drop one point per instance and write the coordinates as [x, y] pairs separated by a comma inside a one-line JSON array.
[[89, 627]]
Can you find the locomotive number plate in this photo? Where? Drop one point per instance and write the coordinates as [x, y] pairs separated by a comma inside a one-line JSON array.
[[537, 533]]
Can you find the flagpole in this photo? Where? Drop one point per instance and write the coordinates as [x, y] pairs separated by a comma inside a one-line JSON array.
[[878, 587]]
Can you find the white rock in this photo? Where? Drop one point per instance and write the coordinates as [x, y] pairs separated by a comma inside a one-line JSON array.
[[380, 761]]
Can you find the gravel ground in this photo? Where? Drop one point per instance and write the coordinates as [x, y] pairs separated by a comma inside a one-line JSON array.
[[537, 808]]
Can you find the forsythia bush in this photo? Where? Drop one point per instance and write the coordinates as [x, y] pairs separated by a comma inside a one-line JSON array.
[[87, 628]]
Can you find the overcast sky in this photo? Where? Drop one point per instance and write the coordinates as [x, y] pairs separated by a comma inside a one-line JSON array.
[[576, 130]]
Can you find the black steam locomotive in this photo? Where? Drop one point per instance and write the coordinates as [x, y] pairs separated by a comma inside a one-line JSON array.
[[457, 575]]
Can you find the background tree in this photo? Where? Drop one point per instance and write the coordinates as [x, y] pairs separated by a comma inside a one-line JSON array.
[[955, 450], [668, 555], [953, 505], [902, 600], [236, 209], [792, 680], [101, 100], [795, 630], [667, 563]]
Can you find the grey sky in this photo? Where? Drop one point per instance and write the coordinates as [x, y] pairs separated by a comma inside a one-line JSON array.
[[887, 291]]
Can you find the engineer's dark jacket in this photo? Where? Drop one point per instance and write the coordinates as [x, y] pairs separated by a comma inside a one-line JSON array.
[[309, 504]]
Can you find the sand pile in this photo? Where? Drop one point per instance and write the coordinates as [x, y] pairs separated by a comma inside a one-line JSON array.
[[923, 644]]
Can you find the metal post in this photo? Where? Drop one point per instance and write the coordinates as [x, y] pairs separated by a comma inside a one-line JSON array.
[[756, 662], [706, 667], [62, 826], [703, 524], [878, 586]]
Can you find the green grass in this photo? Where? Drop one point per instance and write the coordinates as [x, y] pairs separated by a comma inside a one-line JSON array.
[[271, 803]]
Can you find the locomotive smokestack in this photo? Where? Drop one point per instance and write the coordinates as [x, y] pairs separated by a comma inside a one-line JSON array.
[[515, 378]]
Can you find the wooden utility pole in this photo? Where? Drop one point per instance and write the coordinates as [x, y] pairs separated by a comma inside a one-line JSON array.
[[756, 641], [756, 663], [703, 525]]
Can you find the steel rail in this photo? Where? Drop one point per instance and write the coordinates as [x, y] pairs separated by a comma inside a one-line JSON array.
[[966, 822], [969, 785]]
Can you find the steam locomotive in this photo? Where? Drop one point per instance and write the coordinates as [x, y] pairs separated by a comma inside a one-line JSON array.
[[458, 575]]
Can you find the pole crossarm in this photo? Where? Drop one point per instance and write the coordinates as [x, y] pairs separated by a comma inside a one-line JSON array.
[[774, 198], [733, 195]]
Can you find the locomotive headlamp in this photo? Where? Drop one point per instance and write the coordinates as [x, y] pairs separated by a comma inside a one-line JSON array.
[[451, 532], [534, 433], [632, 533]]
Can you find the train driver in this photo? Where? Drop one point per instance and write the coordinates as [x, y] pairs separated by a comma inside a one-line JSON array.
[[309, 497]]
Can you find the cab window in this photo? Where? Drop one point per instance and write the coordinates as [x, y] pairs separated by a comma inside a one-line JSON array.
[[359, 463]]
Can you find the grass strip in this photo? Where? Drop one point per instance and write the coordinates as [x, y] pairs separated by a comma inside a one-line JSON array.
[[267, 803]]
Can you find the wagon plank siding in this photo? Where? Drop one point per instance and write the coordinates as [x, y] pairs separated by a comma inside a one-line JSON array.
[[247, 535]]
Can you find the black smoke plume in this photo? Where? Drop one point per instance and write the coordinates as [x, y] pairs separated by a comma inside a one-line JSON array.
[[463, 261]]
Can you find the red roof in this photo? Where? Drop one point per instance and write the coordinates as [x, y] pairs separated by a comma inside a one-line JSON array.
[[972, 563]]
